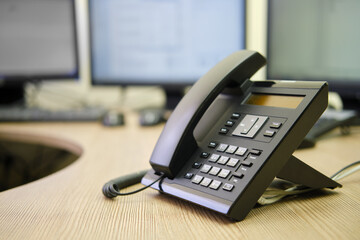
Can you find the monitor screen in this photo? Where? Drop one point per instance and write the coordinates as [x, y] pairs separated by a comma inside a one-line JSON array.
[[162, 42], [37, 40], [315, 40]]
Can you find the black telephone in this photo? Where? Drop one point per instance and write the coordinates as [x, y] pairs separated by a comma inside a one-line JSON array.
[[229, 137]]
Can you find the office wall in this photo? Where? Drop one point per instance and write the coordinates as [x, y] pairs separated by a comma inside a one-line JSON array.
[[80, 93]]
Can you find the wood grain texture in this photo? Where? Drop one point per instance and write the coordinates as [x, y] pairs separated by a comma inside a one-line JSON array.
[[69, 204]]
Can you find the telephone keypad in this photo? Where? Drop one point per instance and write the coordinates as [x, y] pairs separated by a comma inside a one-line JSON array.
[[230, 177]]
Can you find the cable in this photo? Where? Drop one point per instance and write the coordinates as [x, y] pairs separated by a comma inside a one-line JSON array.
[[112, 188], [271, 196]]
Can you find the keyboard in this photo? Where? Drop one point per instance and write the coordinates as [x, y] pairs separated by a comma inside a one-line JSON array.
[[21, 114], [329, 120]]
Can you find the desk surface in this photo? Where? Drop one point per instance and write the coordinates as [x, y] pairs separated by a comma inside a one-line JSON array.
[[69, 204]]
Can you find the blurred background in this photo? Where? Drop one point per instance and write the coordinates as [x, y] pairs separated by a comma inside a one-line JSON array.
[[133, 55]]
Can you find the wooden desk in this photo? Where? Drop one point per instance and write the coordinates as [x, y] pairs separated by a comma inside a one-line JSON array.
[[69, 204]]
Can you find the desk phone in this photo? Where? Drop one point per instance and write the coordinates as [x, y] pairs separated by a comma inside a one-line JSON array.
[[229, 137]]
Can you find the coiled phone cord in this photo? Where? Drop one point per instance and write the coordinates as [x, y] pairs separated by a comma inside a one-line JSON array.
[[112, 188]]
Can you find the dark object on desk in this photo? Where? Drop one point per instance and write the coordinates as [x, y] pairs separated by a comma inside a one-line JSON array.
[[328, 121], [23, 114], [113, 119], [151, 117]]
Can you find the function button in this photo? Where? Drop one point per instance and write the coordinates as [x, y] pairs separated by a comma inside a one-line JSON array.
[[214, 157], [269, 133], [235, 116], [238, 175], [247, 123], [275, 125], [228, 187], [212, 145], [255, 152], [214, 171], [204, 155], [222, 147], [249, 126], [224, 131], [223, 160], [197, 179], [215, 184], [205, 182], [229, 123], [246, 163], [189, 175], [231, 149], [232, 162], [224, 173], [241, 151], [205, 169], [196, 165]]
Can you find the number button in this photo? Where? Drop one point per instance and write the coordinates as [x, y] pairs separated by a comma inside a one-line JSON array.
[[197, 179], [214, 157], [228, 187], [222, 147], [224, 173], [215, 185]]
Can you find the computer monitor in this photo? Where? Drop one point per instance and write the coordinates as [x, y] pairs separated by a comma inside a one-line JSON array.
[[37, 42], [316, 40], [169, 43]]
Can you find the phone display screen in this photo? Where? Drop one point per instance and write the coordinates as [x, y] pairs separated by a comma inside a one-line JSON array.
[[282, 101]]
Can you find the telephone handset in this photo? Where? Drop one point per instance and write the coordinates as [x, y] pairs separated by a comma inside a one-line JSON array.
[[177, 142], [229, 137]]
